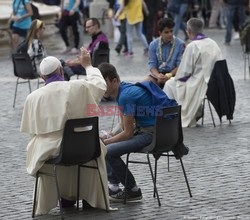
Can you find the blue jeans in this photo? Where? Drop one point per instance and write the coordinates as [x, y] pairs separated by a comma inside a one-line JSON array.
[[178, 19], [138, 27], [230, 10], [116, 168]]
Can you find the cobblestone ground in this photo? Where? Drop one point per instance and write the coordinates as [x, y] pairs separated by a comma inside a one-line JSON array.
[[218, 165]]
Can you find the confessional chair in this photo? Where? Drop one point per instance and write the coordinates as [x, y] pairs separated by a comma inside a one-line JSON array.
[[80, 144], [167, 137], [100, 56]]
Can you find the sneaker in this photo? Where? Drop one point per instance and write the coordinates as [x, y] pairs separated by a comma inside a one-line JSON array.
[[67, 50], [74, 51], [236, 36], [131, 196], [111, 192], [131, 54]]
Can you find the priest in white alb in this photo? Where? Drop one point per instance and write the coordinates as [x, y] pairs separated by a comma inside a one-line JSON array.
[[45, 112], [189, 86]]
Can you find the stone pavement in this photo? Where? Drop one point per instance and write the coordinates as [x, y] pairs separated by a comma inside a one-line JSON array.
[[218, 165]]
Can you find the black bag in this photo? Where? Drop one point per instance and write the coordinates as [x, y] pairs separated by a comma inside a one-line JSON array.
[[22, 47], [174, 6], [35, 10], [36, 14]]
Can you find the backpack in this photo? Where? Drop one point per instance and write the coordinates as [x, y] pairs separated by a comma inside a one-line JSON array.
[[159, 98], [22, 47], [36, 14]]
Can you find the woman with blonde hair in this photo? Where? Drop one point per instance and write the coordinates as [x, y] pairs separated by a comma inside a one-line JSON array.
[[35, 48]]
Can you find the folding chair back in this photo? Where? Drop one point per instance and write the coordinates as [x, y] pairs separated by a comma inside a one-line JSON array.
[[23, 66], [100, 56], [168, 129], [80, 142]]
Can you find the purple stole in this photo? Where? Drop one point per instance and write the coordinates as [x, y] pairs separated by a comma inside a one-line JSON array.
[[55, 77], [101, 37]]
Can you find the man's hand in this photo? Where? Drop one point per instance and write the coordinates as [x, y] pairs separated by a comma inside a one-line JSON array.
[[161, 78], [71, 12], [15, 18], [84, 58]]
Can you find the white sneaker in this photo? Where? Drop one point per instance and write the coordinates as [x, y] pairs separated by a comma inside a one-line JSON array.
[[67, 50], [74, 51], [236, 36]]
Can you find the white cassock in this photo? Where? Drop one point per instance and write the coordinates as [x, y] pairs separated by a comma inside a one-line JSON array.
[[45, 112], [198, 60]]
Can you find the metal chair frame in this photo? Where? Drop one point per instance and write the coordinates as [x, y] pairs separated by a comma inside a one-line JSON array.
[[152, 148]]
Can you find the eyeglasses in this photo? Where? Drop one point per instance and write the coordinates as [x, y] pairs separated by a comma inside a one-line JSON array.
[[87, 27]]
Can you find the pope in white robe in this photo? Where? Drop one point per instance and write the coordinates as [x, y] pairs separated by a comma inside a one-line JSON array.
[[45, 112], [189, 86]]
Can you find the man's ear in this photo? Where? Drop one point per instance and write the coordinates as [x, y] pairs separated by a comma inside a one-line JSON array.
[[43, 77], [61, 71]]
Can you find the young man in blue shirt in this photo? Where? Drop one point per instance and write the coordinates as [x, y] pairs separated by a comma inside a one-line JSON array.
[[137, 125], [165, 53]]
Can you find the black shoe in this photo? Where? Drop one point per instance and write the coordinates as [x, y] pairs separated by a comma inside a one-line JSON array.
[[131, 196], [118, 49], [67, 203], [85, 205], [111, 192]]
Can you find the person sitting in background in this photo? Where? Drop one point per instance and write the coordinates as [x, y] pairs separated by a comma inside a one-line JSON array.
[[165, 53], [99, 41], [35, 48], [45, 112], [20, 20], [189, 86]]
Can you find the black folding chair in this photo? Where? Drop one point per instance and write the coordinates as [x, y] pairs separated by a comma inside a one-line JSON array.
[[100, 56], [80, 144], [167, 137], [23, 69]]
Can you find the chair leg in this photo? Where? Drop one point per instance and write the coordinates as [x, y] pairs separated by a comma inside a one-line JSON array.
[[58, 193], [168, 162], [209, 105], [203, 110], [248, 64], [154, 181], [103, 190], [34, 202], [29, 85], [78, 187], [126, 177], [155, 174], [17, 82], [184, 172], [245, 62]]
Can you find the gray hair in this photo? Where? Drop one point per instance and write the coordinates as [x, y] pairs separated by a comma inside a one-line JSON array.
[[195, 25]]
